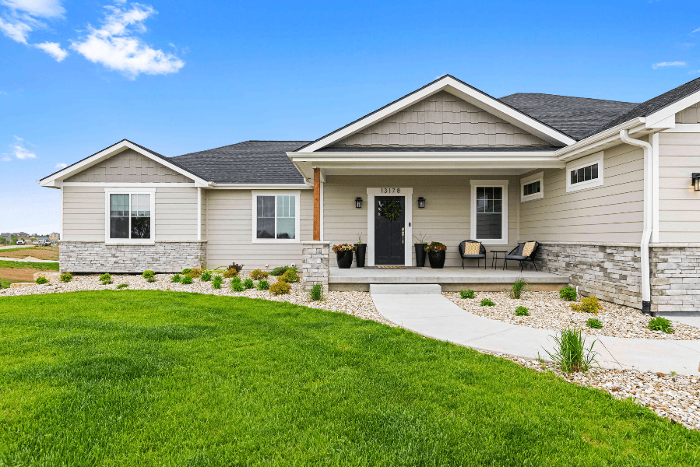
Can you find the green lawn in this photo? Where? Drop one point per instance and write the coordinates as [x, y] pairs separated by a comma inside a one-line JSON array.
[[162, 378], [29, 265]]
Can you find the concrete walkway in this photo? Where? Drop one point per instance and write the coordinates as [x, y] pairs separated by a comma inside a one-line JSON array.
[[430, 314], [27, 260]]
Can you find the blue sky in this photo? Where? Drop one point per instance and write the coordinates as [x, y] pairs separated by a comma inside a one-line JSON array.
[[179, 77]]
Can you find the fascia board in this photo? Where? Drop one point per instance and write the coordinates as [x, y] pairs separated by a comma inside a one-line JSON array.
[[591, 143], [407, 156], [673, 109]]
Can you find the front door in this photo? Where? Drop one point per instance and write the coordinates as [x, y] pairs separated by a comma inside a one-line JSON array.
[[389, 233]]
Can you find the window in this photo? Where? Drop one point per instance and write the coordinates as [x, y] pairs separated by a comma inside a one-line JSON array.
[[489, 207], [532, 187], [129, 217], [276, 217], [585, 173]]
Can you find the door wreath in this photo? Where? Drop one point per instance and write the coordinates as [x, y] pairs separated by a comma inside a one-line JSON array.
[[391, 210]]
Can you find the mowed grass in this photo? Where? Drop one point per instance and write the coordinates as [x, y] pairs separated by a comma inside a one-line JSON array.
[[163, 378], [29, 265]]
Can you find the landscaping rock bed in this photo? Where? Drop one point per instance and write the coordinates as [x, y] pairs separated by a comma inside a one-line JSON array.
[[549, 311]]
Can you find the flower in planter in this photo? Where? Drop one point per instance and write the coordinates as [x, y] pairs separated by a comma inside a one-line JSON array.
[[435, 246], [344, 247]]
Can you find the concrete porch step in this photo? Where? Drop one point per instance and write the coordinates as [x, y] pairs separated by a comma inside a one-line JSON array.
[[405, 289]]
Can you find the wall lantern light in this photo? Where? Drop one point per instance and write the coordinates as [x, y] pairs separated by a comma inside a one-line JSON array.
[[421, 202], [696, 181], [358, 202]]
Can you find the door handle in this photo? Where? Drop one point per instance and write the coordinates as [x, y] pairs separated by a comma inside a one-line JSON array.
[[402, 235]]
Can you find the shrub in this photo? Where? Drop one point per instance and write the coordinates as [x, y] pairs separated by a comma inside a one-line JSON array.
[[660, 324], [186, 271], [290, 276], [66, 277], [122, 286], [570, 352], [41, 280], [467, 293], [105, 278], [278, 271], [236, 267], [148, 273], [257, 274], [216, 282], [594, 323], [522, 311], [568, 293], [186, 280], [205, 276], [236, 285], [248, 283], [518, 288], [230, 273], [176, 278], [279, 288], [194, 273], [587, 305], [487, 302], [263, 285], [316, 292], [151, 279]]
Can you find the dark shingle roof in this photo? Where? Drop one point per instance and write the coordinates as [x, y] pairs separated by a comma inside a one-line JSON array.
[[246, 162], [653, 105], [575, 116]]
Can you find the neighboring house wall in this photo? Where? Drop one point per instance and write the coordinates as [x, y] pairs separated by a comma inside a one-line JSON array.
[[442, 120], [129, 167], [230, 232], [446, 217]]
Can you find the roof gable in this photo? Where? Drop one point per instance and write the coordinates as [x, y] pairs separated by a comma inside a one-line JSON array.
[[129, 166]]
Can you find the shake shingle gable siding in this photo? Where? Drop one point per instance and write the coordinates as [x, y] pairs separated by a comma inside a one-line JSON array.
[[249, 162]]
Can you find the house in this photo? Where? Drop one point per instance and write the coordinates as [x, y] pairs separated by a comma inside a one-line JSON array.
[[609, 188], [54, 236]]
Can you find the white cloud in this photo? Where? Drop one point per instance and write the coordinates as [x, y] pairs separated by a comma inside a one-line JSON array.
[[17, 30], [6, 158], [20, 16], [19, 151], [61, 165], [656, 66], [697, 30], [54, 49], [116, 45], [40, 8]]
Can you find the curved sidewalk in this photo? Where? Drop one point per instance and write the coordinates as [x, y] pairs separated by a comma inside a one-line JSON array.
[[432, 315]]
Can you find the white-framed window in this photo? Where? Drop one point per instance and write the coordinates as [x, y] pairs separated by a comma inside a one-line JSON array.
[[586, 172], [532, 187], [276, 216], [489, 211], [130, 216]]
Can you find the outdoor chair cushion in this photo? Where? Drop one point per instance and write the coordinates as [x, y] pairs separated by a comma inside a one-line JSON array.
[[472, 248], [527, 249]]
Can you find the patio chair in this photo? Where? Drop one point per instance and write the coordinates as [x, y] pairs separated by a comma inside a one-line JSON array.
[[525, 251], [471, 249]]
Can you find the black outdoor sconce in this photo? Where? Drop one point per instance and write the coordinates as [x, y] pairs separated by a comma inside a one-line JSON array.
[[421, 202], [358, 202], [696, 181]]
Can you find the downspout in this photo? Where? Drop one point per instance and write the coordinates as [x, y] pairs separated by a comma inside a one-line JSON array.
[[648, 212]]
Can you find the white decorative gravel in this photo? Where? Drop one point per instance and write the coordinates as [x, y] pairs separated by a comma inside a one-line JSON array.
[[548, 311]]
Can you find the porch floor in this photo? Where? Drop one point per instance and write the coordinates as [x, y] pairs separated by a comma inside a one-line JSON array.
[[450, 278]]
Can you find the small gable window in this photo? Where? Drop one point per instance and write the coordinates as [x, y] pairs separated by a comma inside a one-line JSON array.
[[129, 217], [532, 187], [276, 217], [585, 173]]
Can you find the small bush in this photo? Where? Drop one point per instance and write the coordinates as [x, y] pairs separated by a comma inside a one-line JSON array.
[[522, 311], [257, 274], [594, 323], [186, 271], [518, 288], [105, 278], [176, 278], [230, 273], [278, 271], [568, 293], [660, 324], [587, 305], [290, 276], [122, 286], [148, 273], [66, 277], [467, 293], [570, 352], [216, 282], [236, 267], [186, 280], [236, 285], [263, 285], [194, 273], [248, 283], [279, 288], [41, 280], [151, 279], [205, 276], [316, 292], [487, 302]]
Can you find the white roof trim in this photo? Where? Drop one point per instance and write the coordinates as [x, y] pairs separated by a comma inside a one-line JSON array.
[[55, 179], [458, 89], [657, 117]]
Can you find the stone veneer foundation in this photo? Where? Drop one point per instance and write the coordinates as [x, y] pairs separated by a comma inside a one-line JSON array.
[[675, 277], [315, 268], [163, 257]]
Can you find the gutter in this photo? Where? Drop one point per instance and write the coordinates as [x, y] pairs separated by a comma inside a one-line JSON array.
[[648, 216], [599, 139]]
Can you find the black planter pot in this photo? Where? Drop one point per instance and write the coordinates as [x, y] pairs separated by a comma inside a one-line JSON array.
[[437, 259], [420, 254], [360, 254], [344, 259]]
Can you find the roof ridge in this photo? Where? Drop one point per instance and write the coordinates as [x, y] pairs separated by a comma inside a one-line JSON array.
[[235, 144], [561, 95]]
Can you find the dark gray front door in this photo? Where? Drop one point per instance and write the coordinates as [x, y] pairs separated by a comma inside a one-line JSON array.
[[389, 233]]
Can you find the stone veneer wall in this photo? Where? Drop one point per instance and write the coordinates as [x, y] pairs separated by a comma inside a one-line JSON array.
[[611, 272], [315, 268], [675, 277], [96, 257]]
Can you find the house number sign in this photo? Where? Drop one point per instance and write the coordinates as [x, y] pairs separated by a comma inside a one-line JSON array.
[[390, 190]]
